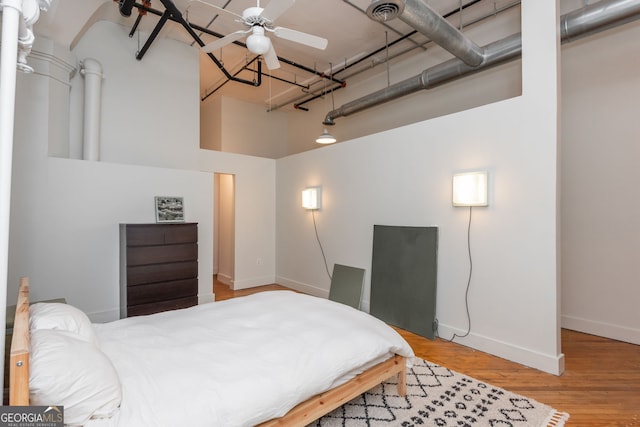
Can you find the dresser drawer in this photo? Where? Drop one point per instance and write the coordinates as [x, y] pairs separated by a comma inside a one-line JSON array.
[[154, 234], [142, 255], [144, 274], [143, 309], [154, 292]]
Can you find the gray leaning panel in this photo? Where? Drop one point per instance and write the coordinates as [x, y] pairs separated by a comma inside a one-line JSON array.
[[346, 285], [404, 277]]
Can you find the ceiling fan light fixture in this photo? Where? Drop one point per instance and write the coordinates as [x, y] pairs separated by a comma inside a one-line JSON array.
[[326, 138], [257, 42], [256, 21]]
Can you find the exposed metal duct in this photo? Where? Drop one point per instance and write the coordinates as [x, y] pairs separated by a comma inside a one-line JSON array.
[[419, 15], [597, 17], [581, 22], [496, 53]]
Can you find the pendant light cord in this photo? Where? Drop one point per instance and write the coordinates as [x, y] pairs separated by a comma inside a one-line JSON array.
[[466, 294], [326, 266], [333, 102]]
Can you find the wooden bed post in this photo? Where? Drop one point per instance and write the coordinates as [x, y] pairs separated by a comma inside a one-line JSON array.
[[19, 358], [402, 378]]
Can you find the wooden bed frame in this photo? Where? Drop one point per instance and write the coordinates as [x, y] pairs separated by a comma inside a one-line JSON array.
[[301, 415]]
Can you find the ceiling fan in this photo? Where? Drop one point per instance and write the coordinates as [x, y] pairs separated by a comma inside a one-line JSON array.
[[258, 20]]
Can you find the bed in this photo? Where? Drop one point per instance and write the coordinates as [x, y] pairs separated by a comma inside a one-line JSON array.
[[275, 358]]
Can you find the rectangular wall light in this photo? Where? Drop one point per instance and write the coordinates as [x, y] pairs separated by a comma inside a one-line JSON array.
[[312, 198], [470, 189]]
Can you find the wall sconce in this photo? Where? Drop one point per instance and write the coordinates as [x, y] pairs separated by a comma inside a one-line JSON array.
[[312, 198], [470, 189]]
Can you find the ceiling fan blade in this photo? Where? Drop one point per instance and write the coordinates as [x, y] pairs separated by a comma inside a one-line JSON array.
[[275, 8], [228, 39], [271, 59], [300, 37]]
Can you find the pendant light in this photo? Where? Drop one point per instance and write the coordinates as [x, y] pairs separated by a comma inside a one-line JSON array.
[[326, 137]]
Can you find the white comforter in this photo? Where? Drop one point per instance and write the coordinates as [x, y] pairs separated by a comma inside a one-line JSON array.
[[242, 361]]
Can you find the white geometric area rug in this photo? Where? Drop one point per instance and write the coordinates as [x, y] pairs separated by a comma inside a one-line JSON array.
[[437, 396]]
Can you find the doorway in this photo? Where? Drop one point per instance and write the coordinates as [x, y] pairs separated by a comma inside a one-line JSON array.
[[224, 227]]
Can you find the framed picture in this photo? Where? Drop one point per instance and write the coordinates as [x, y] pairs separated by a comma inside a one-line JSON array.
[[169, 209]]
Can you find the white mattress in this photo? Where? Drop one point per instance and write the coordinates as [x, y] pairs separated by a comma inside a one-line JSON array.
[[239, 362]]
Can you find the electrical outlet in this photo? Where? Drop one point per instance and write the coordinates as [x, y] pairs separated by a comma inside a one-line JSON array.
[[259, 261]]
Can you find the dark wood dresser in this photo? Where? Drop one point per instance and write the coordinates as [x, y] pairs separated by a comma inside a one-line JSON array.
[[158, 267]]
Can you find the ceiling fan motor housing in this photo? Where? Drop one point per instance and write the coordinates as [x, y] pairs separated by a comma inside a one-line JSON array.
[[253, 16]]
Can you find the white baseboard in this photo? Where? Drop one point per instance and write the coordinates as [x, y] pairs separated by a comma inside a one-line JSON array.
[[251, 282], [602, 329], [206, 298], [227, 280], [302, 287], [552, 364]]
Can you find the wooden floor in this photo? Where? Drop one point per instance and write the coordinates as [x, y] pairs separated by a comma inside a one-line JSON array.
[[600, 386]]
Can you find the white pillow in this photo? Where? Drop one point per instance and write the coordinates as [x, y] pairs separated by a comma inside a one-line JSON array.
[[73, 373], [64, 317]]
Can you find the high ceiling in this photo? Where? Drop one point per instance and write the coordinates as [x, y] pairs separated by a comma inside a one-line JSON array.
[[351, 36], [356, 43]]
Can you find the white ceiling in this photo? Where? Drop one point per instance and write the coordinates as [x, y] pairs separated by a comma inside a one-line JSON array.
[[344, 23], [350, 33]]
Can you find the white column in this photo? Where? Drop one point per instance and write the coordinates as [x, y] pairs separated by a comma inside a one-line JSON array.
[[11, 16], [92, 72], [18, 16]]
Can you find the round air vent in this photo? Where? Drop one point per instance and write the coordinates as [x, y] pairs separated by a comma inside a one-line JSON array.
[[385, 10]]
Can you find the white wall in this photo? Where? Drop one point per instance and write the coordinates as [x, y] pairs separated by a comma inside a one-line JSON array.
[[211, 124], [240, 127], [150, 107], [255, 214], [152, 111], [403, 176], [65, 213], [600, 203], [65, 230]]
